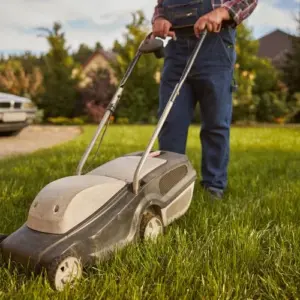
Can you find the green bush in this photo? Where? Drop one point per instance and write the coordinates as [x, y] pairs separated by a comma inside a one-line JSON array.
[[77, 121], [267, 107], [152, 120], [259, 96], [271, 107], [294, 109], [244, 109], [140, 97], [39, 117], [66, 121], [122, 121]]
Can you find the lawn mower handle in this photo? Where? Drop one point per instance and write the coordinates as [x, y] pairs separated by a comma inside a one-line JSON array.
[[113, 104], [148, 45], [167, 110]]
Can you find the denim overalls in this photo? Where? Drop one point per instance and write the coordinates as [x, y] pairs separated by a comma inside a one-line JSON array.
[[209, 82]]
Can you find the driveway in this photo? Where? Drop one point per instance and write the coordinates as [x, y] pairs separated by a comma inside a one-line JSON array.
[[36, 137]]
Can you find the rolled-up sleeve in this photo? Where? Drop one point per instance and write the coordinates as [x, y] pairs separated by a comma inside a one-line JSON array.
[[240, 10], [158, 10]]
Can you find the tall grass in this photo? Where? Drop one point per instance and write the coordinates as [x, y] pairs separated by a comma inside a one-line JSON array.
[[244, 247]]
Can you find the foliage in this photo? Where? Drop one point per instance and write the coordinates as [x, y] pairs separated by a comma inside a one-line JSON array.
[[14, 80], [243, 102], [291, 68], [66, 121], [39, 117], [264, 74], [293, 102], [271, 107], [54, 79], [28, 61], [245, 247], [98, 93], [122, 121], [140, 97], [84, 52], [261, 96], [13, 64], [61, 93]]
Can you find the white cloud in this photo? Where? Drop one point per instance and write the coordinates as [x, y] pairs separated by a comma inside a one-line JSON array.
[[19, 17], [267, 16]]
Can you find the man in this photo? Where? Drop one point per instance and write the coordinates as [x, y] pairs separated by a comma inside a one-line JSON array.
[[209, 82]]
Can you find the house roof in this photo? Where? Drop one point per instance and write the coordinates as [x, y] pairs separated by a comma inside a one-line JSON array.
[[109, 56], [275, 44]]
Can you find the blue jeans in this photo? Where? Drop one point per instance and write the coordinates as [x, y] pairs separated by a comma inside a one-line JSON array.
[[210, 83]]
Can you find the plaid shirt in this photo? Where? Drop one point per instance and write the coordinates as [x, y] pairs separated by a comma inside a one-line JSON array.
[[239, 10]]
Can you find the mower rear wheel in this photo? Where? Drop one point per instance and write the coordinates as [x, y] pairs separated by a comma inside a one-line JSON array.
[[151, 226], [63, 271], [3, 237]]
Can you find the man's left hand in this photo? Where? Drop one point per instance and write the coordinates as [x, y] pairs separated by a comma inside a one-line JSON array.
[[211, 21]]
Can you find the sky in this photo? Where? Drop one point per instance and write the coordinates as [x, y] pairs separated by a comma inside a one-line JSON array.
[[90, 21]]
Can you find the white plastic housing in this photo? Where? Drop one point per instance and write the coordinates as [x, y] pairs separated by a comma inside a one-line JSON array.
[[67, 202], [123, 168]]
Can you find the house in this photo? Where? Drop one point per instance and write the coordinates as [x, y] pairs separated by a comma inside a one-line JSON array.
[[100, 59], [274, 46]]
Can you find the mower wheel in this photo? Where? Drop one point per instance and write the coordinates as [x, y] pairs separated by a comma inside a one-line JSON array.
[[64, 270], [3, 237], [151, 226]]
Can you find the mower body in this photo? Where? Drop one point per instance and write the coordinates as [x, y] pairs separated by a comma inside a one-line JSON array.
[[91, 215]]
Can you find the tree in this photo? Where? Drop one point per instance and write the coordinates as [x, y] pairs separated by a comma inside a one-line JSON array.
[[98, 46], [140, 98], [28, 60], [14, 80], [61, 93], [98, 93], [266, 77], [84, 52], [291, 68], [255, 77]]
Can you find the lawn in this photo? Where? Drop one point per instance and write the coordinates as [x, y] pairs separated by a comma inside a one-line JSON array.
[[245, 247]]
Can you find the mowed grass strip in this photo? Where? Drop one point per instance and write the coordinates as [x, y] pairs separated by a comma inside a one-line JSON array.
[[244, 247]]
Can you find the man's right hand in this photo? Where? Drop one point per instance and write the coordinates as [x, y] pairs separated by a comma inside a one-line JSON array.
[[161, 28]]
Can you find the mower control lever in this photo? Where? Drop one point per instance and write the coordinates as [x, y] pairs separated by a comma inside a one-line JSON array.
[[151, 45]]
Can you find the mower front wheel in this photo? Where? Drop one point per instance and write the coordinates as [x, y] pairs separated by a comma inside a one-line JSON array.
[[3, 237], [64, 270]]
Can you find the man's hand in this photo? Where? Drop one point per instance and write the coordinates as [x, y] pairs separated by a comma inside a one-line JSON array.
[[211, 21], [161, 28]]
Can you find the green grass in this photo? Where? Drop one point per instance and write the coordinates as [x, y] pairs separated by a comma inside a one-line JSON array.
[[245, 247]]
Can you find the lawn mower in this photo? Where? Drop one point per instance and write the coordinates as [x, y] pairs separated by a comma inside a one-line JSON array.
[[75, 220]]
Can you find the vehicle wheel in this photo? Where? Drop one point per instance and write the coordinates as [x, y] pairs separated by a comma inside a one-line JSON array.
[[151, 226], [63, 271], [10, 133]]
